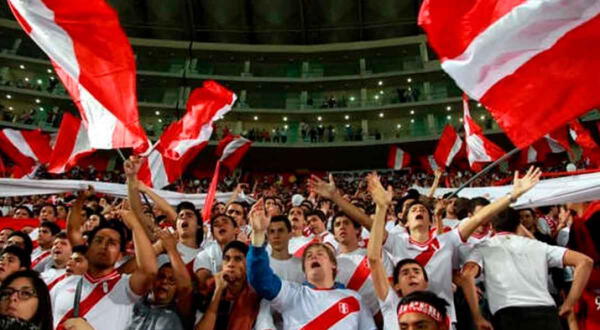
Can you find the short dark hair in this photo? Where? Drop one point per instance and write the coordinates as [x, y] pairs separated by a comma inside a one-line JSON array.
[[420, 203], [507, 220], [407, 261], [284, 219], [27, 209], [215, 217], [81, 249], [113, 225], [479, 201], [546, 209], [242, 205], [429, 298], [61, 235], [340, 214], [54, 228], [188, 206], [462, 207], [24, 257], [43, 315], [26, 240], [50, 205], [317, 213], [236, 245]]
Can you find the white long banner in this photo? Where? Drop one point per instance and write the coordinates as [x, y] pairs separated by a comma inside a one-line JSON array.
[[574, 189], [27, 187]]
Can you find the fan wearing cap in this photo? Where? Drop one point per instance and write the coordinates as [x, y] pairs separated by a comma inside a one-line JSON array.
[[423, 310]]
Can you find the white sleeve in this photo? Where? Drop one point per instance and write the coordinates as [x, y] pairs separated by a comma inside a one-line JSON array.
[[264, 319], [475, 256], [388, 310], [284, 301], [202, 260], [554, 255], [365, 319], [125, 294], [394, 244]]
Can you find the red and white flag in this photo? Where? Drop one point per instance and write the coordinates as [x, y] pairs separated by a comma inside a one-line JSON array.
[[205, 106], [94, 61], [398, 158], [183, 140], [480, 150], [27, 149], [581, 135], [509, 54], [428, 163], [72, 144], [231, 149], [448, 146], [558, 140]]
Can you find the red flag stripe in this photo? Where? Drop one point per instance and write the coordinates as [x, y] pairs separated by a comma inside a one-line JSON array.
[[39, 259], [337, 312], [56, 280], [424, 257], [360, 276], [210, 195], [448, 146]]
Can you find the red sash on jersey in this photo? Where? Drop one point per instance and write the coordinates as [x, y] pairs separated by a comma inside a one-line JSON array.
[[360, 276], [39, 259], [56, 280], [334, 314], [424, 257], [94, 297]]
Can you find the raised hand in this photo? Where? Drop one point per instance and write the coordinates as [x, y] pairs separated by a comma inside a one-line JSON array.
[[129, 219], [132, 166], [168, 239], [321, 187], [259, 220], [381, 196], [220, 283], [524, 184]]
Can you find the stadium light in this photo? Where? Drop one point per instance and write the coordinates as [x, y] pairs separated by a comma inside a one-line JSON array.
[[381, 115], [22, 67], [255, 117], [284, 118], [380, 83], [346, 117], [409, 80]]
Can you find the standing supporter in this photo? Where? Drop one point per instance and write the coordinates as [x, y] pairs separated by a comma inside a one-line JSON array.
[[548, 221], [531, 223], [41, 256], [78, 263], [4, 233], [273, 206], [56, 269], [234, 304], [23, 212], [21, 240], [24, 295], [451, 220], [519, 299], [208, 262], [423, 310], [170, 296], [13, 259], [318, 226], [436, 253], [320, 302], [104, 291], [297, 218], [237, 211], [353, 265]]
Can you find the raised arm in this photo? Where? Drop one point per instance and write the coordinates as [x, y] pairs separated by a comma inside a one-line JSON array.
[[329, 191], [436, 182], [520, 186], [183, 280], [162, 204], [141, 279], [132, 167], [583, 268], [209, 319], [260, 274], [382, 199], [75, 220]]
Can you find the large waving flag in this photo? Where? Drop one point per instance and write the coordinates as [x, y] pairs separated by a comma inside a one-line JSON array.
[[448, 147], [27, 149], [583, 137], [398, 158], [94, 60], [510, 54], [480, 150], [205, 106], [72, 144], [184, 139]]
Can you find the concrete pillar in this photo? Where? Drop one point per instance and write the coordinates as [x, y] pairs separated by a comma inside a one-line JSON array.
[[16, 45], [363, 97], [305, 70], [243, 96], [303, 99], [364, 124], [363, 65], [238, 128], [427, 90], [246, 66], [431, 124], [424, 52]]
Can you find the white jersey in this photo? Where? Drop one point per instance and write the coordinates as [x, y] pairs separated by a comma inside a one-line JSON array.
[[187, 254], [298, 244], [389, 310], [40, 259], [336, 309], [452, 223], [288, 270], [354, 272], [51, 273], [211, 258], [516, 270], [436, 255], [328, 238], [114, 298]]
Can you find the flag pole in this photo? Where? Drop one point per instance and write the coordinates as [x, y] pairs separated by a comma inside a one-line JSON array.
[[484, 171]]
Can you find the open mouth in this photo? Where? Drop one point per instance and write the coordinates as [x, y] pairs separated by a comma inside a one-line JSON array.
[[184, 225], [419, 217], [69, 270], [222, 232], [315, 264]]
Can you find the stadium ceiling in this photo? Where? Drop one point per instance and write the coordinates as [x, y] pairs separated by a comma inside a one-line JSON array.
[[266, 21]]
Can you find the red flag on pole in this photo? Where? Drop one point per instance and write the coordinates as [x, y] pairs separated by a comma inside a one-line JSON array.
[[398, 158], [72, 144], [509, 54], [27, 149], [480, 150], [448, 146]]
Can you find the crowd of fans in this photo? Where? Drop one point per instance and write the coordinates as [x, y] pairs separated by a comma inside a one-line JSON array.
[[348, 251]]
